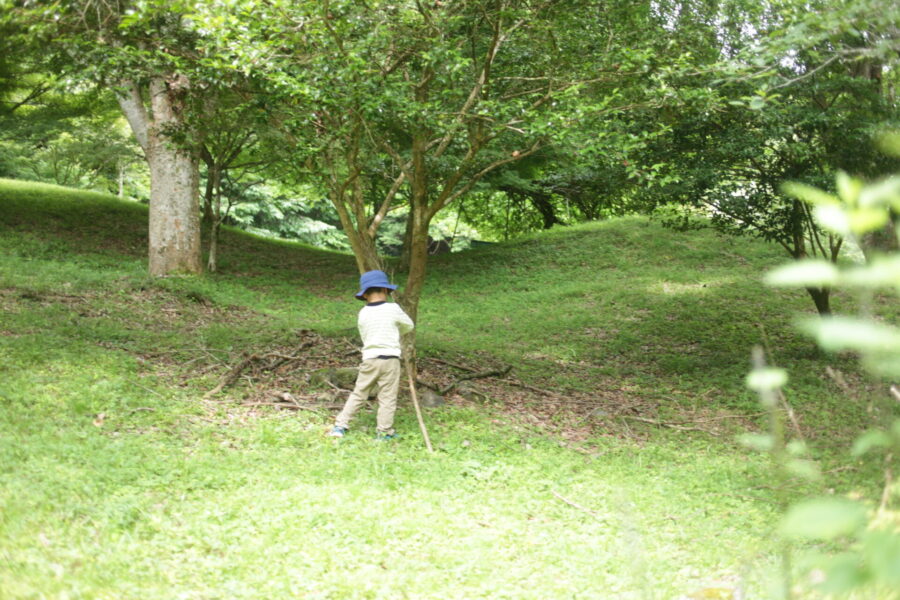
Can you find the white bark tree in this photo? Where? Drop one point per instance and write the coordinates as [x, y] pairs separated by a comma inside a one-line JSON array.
[[148, 51], [174, 231]]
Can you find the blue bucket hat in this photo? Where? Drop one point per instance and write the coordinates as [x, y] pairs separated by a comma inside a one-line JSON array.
[[373, 279]]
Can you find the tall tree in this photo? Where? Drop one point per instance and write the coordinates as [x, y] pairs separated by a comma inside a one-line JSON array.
[[446, 92], [800, 93], [146, 51]]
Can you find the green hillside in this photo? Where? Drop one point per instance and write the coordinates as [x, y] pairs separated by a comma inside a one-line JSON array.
[[605, 467]]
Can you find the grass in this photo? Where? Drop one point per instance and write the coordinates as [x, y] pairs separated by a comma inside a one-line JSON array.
[[117, 480]]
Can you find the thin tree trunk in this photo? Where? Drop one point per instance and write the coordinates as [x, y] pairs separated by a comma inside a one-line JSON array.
[[822, 299], [208, 215], [361, 242], [541, 202], [213, 245], [406, 250], [214, 190]]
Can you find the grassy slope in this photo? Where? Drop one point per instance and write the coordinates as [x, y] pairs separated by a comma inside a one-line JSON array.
[[169, 496]]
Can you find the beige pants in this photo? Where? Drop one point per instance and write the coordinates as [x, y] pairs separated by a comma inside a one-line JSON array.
[[385, 373]]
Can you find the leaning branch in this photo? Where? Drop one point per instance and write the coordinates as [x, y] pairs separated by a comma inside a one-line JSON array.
[[442, 202], [132, 105]]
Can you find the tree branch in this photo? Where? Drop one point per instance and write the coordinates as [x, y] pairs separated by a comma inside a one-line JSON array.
[[135, 112], [444, 200]]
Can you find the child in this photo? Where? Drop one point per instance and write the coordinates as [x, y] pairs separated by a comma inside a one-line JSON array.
[[380, 325]]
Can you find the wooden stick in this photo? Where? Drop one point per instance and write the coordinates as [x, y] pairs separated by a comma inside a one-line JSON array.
[[492, 373], [667, 424], [231, 377], [415, 399], [294, 405]]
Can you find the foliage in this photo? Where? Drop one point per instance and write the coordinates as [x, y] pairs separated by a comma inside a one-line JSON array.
[[800, 92], [867, 534], [52, 129], [287, 214]]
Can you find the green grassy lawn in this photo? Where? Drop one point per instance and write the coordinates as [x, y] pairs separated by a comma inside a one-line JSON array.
[[118, 480]]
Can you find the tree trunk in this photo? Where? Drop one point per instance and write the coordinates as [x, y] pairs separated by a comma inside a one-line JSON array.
[[822, 299], [214, 199], [174, 211], [541, 202], [406, 250], [366, 252], [174, 230], [208, 198], [363, 245], [211, 265], [415, 281]]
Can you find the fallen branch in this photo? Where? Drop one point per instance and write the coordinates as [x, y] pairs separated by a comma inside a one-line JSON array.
[[481, 375], [232, 376], [143, 387], [450, 364], [514, 382], [236, 371], [517, 383], [721, 417], [294, 405], [667, 424]]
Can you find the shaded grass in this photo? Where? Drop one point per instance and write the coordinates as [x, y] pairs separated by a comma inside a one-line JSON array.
[[168, 496]]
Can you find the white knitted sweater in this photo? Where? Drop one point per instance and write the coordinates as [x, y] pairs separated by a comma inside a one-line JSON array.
[[380, 327]]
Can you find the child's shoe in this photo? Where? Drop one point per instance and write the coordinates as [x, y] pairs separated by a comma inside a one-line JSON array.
[[384, 437], [337, 432]]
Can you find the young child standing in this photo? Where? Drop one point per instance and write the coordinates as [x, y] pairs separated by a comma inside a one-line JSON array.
[[381, 323]]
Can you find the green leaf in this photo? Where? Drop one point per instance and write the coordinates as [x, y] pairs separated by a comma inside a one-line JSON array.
[[847, 333], [809, 194], [834, 218], [845, 221], [881, 271], [889, 143], [882, 549], [766, 379], [760, 442], [866, 219], [804, 273], [881, 194], [848, 188], [823, 519], [806, 469], [843, 574], [869, 440], [757, 103]]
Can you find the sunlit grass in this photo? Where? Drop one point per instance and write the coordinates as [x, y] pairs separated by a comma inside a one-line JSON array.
[[168, 496]]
